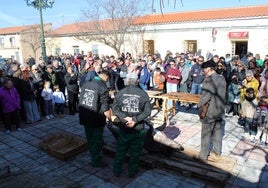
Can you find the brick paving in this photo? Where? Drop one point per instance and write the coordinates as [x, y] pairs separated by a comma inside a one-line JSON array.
[[31, 167]]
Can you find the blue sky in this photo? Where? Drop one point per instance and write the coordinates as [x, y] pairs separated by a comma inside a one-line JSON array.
[[17, 13]]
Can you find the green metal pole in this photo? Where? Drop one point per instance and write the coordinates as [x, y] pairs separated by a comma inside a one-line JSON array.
[[43, 46]]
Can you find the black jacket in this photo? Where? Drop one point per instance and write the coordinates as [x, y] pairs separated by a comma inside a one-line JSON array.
[[133, 102], [116, 82], [26, 90], [71, 83], [93, 102]]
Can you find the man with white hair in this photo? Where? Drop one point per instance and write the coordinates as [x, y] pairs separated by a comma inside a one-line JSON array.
[[132, 107]]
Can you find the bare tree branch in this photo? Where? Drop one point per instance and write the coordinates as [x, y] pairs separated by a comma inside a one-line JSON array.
[[136, 38], [109, 21], [32, 38]]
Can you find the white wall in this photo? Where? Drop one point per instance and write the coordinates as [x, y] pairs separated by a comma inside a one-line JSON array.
[[66, 45], [172, 36]]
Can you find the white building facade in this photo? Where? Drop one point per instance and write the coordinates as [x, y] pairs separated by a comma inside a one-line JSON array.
[[236, 36], [234, 31]]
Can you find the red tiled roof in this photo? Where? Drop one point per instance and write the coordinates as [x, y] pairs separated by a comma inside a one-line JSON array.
[[83, 27], [214, 14], [179, 17], [68, 29], [13, 30]]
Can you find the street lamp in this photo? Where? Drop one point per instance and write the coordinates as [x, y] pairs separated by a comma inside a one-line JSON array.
[[40, 5]]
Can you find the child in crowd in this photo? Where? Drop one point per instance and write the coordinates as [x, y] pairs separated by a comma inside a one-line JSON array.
[[248, 107], [159, 80], [47, 94], [58, 101], [260, 120], [10, 101], [233, 97]]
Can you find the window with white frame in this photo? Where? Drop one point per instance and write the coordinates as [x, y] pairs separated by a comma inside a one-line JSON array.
[[76, 50], [2, 42], [57, 51], [12, 41], [95, 49]]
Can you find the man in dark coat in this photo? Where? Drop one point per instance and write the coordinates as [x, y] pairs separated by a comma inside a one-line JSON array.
[[132, 107], [71, 81], [213, 92], [94, 108]]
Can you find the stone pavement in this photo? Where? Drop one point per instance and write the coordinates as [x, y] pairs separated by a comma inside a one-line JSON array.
[[31, 167]]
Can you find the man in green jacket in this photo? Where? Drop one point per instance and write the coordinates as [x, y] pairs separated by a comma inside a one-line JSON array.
[[94, 108], [132, 107]]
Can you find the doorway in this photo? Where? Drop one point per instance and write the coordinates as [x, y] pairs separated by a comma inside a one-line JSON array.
[[190, 46], [240, 48], [148, 47]]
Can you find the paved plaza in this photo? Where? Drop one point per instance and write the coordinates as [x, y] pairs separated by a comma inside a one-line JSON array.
[[28, 166]]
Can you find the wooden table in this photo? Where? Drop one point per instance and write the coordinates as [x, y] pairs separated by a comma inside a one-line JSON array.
[[174, 96], [184, 97], [157, 95], [178, 96], [152, 93]]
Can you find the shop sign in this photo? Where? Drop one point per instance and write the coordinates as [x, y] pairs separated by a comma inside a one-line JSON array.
[[238, 35]]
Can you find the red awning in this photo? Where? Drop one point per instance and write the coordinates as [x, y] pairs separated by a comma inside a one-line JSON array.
[[238, 35]]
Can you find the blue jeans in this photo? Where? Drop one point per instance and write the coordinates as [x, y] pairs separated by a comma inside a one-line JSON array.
[[48, 107], [183, 88], [171, 88], [249, 128], [143, 86], [196, 88]]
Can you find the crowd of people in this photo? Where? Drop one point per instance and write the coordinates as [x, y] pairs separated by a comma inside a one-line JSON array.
[[33, 90]]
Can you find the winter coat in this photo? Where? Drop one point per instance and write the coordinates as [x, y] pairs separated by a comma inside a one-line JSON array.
[[133, 102], [233, 92], [214, 92], [93, 102]]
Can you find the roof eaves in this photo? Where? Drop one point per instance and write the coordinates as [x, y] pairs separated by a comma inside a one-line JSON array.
[[4, 34], [66, 34], [204, 20]]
